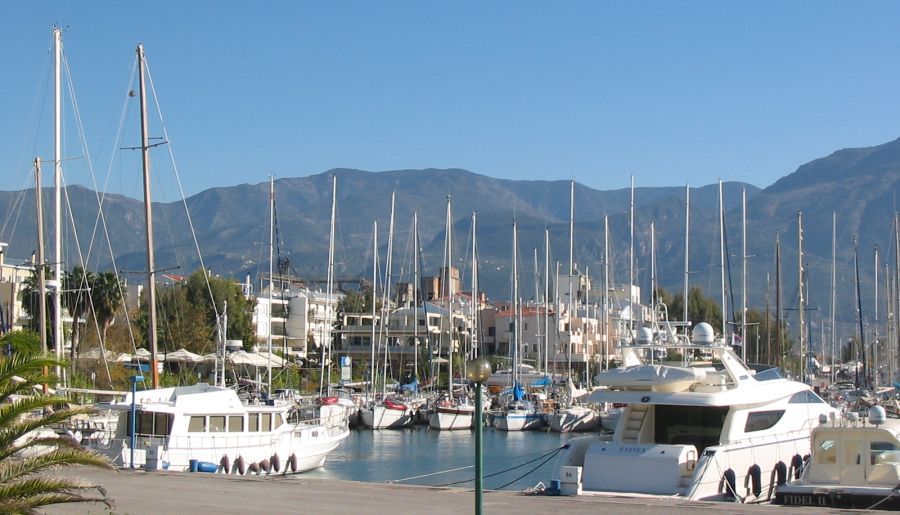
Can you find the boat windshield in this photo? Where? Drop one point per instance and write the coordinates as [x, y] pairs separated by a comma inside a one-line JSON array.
[[768, 374]]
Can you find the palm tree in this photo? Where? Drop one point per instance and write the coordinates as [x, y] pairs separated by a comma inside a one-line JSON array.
[[25, 458], [106, 293], [77, 300]]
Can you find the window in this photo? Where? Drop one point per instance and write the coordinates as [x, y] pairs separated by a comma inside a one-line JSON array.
[[266, 422], [693, 425], [253, 418], [761, 420], [883, 452], [421, 322], [826, 453], [217, 424], [151, 423], [806, 397], [235, 424], [197, 425], [278, 421]]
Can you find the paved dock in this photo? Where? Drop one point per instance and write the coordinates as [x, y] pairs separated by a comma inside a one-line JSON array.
[[139, 492]]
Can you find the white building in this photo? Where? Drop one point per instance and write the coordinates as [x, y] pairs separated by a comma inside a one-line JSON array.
[[300, 320]]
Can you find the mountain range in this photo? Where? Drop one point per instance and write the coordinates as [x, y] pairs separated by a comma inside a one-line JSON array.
[[231, 225]]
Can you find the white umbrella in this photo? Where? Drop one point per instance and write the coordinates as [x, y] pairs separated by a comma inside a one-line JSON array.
[[182, 356]]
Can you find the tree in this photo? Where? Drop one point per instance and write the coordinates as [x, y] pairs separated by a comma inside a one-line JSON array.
[[700, 307], [30, 302], [107, 296], [76, 300], [23, 484]]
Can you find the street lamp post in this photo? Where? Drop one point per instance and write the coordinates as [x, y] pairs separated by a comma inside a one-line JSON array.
[[478, 370]]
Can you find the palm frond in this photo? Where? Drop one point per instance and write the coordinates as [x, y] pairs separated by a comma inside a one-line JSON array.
[[10, 434], [58, 457], [23, 496], [13, 410], [20, 371]]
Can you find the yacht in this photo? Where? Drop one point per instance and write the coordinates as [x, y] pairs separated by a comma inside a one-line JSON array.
[[854, 464], [208, 428], [694, 431]]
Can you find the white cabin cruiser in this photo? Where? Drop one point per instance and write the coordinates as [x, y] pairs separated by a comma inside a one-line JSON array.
[[208, 427], [854, 465], [698, 433]]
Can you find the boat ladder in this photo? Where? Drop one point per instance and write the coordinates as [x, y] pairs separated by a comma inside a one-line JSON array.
[[636, 415]]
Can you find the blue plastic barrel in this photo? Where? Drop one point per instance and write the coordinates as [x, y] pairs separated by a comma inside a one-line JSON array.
[[206, 466], [193, 465]]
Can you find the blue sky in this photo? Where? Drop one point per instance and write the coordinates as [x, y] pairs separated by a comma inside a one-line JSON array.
[[673, 92]]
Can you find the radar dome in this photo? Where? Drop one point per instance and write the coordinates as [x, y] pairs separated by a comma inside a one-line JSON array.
[[644, 336], [703, 334], [877, 415]]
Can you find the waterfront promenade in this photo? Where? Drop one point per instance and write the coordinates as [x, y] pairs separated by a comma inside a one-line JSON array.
[[138, 492]]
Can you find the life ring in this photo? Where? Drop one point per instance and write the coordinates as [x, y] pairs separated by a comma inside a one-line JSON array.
[[224, 464], [292, 461], [276, 462]]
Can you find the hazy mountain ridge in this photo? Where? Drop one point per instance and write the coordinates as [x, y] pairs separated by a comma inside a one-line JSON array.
[[231, 224]]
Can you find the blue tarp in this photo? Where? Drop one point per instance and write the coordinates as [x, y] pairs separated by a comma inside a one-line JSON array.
[[544, 381], [411, 387], [518, 392]]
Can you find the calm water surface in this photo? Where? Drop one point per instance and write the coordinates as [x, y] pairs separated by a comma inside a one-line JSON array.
[[415, 455]]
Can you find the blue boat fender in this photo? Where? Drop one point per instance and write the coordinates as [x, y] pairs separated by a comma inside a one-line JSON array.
[[207, 466]]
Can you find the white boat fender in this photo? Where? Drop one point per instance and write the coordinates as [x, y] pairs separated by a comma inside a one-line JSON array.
[[754, 480], [727, 484], [224, 465], [276, 463], [265, 465], [253, 468], [796, 465], [293, 463], [238, 466]]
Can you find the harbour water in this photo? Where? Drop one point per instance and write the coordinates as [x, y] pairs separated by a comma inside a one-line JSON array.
[[417, 456]]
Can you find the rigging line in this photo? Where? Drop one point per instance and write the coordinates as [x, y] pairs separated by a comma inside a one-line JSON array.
[[457, 469], [551, 453], [102, 202], [181, 190], [84, 279]]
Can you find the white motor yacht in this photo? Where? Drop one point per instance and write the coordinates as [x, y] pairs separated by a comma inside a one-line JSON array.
[[208, 428], [691, 431], [854, 464]]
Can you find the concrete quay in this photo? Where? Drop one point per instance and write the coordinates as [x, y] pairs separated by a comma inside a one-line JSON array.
[[139, 492]]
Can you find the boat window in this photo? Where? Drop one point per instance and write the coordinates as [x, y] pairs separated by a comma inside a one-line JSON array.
[[235, 424], [699, 426], [768, 374], [266, 422], [254, 422], [278, 421], [883, 452], [806, 397], [197, 425], [761, 420], [826, 453], [151, 423], [217, 423]]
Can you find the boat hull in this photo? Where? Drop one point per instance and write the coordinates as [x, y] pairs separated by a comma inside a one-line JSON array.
[[519, 421], [572, 421], [381, 417], [449, 419]]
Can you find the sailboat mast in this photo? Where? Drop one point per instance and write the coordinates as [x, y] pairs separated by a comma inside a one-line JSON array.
[[372, 370], [859, 319], [515, 346], [546, 300], [271, 283], [326, 338], [833, 289], [875, 327], [475, 352], [779, 333], [39, 265], [687, 250], [744, 340], [571, 275], [148, 214], [653, 270], [416, 296], [631, 260], [722, 259], [801, 305], [57, 190], [449, 277], [605, 292]]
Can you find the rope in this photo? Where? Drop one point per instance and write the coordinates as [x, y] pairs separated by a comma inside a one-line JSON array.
[[530, 471], [432, 474], [548, 455]]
